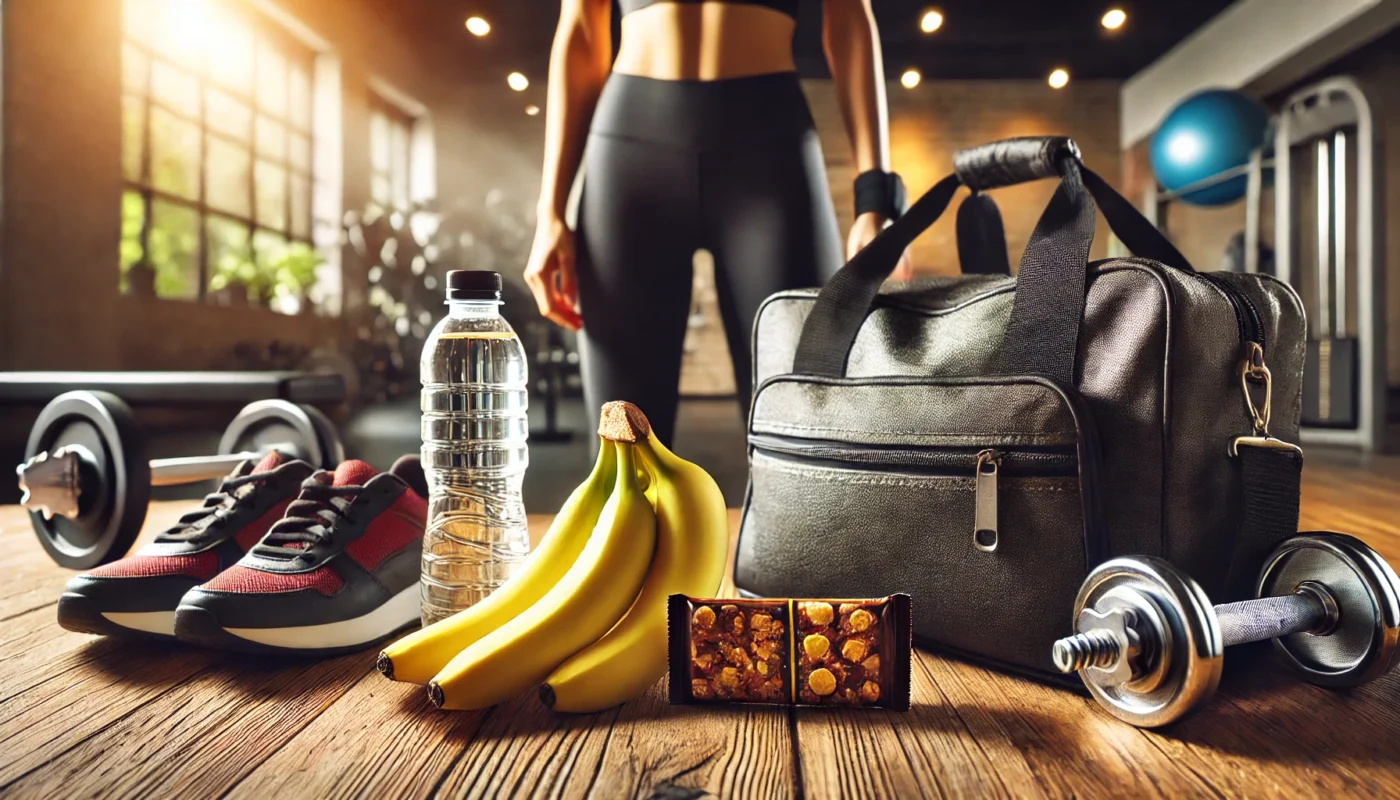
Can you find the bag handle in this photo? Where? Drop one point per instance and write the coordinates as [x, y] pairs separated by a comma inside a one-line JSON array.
[[1012, 161], [1042, 334]]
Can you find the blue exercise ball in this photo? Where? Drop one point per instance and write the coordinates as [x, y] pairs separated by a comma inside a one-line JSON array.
[[1206, 134]]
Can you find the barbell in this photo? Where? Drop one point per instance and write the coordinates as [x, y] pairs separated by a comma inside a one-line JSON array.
[[87, 482]]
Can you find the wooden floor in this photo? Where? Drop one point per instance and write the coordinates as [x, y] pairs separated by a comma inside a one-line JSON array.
[[82, 716]]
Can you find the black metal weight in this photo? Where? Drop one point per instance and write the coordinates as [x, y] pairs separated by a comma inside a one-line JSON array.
[[106, 452], [87, 481]]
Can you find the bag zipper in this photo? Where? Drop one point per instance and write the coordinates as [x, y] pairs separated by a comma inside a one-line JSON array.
[[1247, 318], [984, 522], [1246, 313], [985, 466], [1085, 452], [952, 461]]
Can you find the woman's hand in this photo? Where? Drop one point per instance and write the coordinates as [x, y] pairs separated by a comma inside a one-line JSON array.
[[550, 273], [866, 228]]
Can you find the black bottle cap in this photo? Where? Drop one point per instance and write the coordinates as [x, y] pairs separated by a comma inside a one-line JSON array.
[[473, 284]]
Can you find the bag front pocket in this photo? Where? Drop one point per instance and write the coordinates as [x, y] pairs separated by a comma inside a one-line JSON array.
[[990, 542]]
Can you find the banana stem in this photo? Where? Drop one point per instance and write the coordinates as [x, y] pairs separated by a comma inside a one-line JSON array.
[[620, 421]]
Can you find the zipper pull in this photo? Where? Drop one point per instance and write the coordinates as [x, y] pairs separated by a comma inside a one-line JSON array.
[[984, 534]]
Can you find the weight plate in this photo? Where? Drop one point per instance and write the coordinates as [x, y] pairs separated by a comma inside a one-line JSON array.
[[332, 451], [114, 476], [1193, 660], [1363, 646], [268, 425]]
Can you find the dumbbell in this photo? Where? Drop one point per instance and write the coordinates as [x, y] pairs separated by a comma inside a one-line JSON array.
[[87, 482], [1149, 644]]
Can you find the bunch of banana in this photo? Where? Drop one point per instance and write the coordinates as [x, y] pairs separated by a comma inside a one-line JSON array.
[[585, 619]]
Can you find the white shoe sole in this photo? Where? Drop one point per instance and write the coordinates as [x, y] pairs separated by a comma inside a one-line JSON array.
[[161, 622], [401, 610]]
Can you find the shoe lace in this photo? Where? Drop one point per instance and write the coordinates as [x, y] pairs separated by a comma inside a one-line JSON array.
[[197, 525], [309, 521]]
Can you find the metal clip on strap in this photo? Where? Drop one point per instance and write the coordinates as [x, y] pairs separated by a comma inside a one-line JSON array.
[[1255, 371]]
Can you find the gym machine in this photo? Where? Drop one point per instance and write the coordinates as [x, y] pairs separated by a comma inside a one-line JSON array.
[[1149, 645], [1344, 394], [1325, 154], [87, 482]]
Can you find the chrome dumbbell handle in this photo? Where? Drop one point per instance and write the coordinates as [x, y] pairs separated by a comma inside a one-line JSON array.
[[52, 482], [1310, 609], [1150, 646], [177, 471]]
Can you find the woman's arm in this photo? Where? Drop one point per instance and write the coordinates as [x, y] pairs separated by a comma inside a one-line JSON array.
[[579, 63], [852, 44]]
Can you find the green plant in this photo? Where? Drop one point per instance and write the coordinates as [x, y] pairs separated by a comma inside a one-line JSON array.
[[231, 259], [277, 269], [130, 251], [295, 267]]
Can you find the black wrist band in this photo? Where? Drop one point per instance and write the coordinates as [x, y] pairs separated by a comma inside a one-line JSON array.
[[881, 192]]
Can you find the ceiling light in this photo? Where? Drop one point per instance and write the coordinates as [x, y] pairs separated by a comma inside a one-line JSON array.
[[910, 78], [477, 26], [931, 21], [1059, 78], [531, 111], [1114, 18], [517, 81]]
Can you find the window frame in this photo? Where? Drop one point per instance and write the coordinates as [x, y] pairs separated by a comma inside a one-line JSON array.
[[394, 114], [264, 31]]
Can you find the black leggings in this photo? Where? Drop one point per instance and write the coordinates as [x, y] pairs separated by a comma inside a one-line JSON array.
[[732, 166]]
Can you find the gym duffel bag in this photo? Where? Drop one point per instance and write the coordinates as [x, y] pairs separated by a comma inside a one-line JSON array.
[[982, 442]]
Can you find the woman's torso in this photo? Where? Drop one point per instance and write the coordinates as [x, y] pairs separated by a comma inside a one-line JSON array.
[[705, 40]]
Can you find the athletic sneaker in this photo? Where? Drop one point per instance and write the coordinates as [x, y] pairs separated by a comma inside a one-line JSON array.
[[337, 574], [137, 595]]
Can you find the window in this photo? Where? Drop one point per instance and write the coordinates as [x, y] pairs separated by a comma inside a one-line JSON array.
[[390, 145], [216, 155]]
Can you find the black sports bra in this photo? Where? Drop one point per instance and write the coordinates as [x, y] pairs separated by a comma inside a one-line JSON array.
[[788, 7]]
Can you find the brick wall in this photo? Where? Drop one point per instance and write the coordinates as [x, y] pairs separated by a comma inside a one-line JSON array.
[[936, 118], [62, 184]]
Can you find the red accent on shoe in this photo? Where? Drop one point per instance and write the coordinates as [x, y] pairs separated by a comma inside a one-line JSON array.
[[200, 566], [253, 532], [399, 526], [244, 580], [271, 461], [353, 473]]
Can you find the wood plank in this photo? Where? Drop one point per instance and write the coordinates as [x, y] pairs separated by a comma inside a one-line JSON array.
[[222, 722], [1069, 745], [57, 715], [928, 751], [522, 747], [36, 650], [379, 739], [1266, 729], [655, 748]]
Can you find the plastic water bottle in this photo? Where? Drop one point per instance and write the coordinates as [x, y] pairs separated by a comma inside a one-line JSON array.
[[475, 397]]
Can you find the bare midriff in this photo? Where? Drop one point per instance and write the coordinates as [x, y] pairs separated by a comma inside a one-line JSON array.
[[705, 41]]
